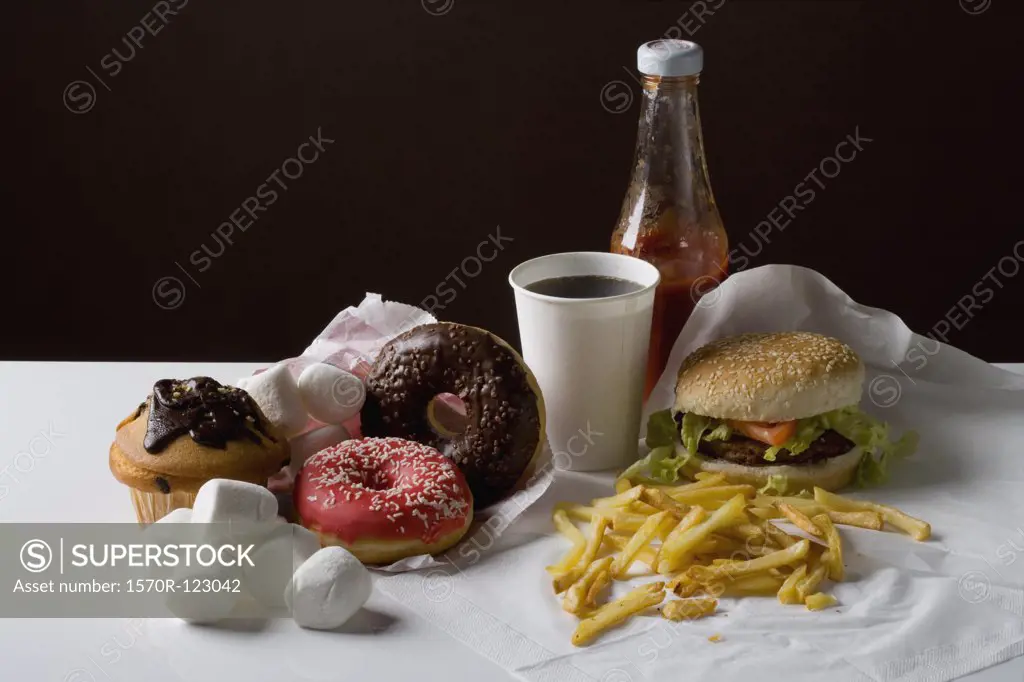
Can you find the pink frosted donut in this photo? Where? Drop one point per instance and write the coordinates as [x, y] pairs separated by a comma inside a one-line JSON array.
[[383, 499]]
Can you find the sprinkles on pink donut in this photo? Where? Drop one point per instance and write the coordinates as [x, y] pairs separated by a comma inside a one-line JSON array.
[[383, 499]]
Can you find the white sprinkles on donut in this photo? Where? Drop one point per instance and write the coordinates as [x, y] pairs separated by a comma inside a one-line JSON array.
[[389, 470]]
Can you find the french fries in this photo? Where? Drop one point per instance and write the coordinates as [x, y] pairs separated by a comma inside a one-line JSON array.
[[777, 535], [641, 507], [657, 498], [580, 512], [862, 519], [692, 518], [753, 549], [601, 581], [563, 581], [782, 557], [703, 496], [833, 558], [756, 585], [915, 528], [579, 542], [717, 544], [689, 609], [819, 601], [805, 504], [567, 528], [709, 481], [712, 539], [684, 584], [618, 611], [764, 513], [807, 585], [640, 539], [798, 519], [647, 555], [620, 499], [747, 533], [627, 522], [576, 596], [787, 593], [678, 545]]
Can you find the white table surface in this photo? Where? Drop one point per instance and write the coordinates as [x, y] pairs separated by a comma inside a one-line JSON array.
[[78, 405]]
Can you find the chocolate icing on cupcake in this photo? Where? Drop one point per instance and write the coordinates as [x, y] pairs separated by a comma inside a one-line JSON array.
[[212, 414]]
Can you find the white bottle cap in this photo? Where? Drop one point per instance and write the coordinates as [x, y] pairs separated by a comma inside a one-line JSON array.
[[670, 58]]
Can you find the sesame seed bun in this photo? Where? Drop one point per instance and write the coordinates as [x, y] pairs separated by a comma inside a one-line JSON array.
[[769, 377], [834, 473]]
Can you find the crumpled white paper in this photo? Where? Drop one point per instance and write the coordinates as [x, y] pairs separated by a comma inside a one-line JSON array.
[[910, 611], [351, 341]]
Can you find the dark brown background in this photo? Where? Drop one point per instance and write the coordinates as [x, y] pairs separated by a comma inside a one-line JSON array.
[[447, 125]]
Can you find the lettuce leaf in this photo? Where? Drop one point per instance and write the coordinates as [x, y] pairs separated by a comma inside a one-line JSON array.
[[807, 431], [777, 485], [873, 436], [661, 429], [692, 430], [868, 433], [871, 471], [663, 464], [721, 432], [666, 463]]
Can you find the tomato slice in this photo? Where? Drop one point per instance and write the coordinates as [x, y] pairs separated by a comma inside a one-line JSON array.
[[766, 432]]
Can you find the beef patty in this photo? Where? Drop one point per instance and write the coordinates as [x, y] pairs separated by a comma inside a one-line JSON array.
[[748, 452]]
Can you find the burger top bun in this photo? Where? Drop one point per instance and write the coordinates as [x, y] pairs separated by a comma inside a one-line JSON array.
[[769, 377]]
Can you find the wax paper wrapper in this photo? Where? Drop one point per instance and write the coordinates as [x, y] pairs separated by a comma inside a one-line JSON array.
[[351, 341], [909, 611]]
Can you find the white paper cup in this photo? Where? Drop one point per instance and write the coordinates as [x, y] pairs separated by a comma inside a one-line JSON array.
[[589, 356]]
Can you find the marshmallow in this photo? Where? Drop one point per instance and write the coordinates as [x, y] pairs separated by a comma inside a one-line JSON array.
[[171, 529], [331, 395], [328, 589], [276, 559], [308, 444], [221, 500], [199, 605], [179, 515], [277, 394]]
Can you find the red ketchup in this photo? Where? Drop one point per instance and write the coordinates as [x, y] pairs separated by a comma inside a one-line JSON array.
[[669, 217]]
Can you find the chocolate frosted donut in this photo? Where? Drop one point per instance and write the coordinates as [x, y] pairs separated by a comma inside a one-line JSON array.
[[504, 407]]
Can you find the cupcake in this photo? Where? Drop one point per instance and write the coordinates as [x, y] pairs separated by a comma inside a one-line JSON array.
[[186, 433]]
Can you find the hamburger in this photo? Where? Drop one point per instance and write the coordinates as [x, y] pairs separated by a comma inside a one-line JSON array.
[[779, 411]]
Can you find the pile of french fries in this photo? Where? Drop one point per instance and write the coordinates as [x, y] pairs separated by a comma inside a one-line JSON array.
[[705, 540]]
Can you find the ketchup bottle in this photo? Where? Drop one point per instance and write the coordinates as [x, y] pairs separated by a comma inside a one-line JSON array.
[[669, 217]]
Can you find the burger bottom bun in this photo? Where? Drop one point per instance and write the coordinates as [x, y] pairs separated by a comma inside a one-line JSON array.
[[832, 474]]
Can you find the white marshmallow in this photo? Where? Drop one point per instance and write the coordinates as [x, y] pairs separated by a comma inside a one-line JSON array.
[[308, 444], [328, 589], [179, 515], [277, 394], [276, 559], [199, 605], [330, 394], [170, 530], [221, 500]]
